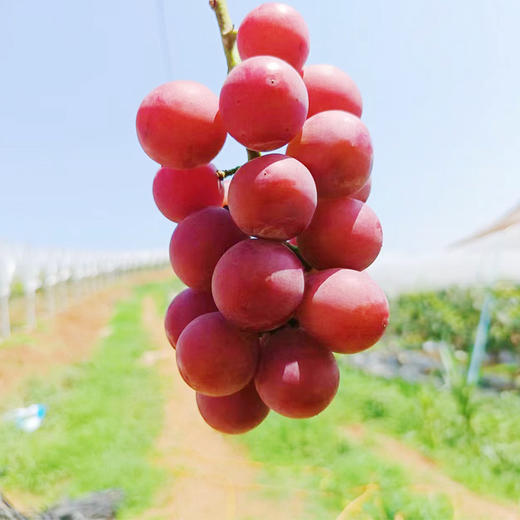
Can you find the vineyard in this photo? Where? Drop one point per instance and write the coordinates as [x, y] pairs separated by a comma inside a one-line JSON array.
[[36, 281], [385, 449]]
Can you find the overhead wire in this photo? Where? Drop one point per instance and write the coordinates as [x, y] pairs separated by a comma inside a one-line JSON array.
[[163, 37]]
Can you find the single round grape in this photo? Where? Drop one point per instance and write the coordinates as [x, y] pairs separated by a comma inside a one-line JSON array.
[[363, 193], [296, 376], [214, 357], [179, 126], [235, 413], [178, 193], [198, 242], [257, 284], [330, 88], [183, 309], [263, 103], [343, 232], [274, 29], [345, 310], [336, 147], [273, 196]]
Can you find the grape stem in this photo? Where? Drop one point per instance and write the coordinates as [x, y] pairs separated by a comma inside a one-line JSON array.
[[296, 251], [228, 35], [222, 174]]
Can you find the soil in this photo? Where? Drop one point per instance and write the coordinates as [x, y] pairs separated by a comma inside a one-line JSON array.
[[67, 337], [429, 479]]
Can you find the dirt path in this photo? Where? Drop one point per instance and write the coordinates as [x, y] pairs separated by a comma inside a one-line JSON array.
[[428, 478], [68, 337], [212, 477]]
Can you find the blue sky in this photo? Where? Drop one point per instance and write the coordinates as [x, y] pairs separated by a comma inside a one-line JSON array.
[[440, 82]]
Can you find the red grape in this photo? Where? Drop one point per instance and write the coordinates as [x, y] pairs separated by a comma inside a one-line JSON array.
[[274, 29], [257, 284], [179, 193], [214, 357], [343, 232], [184, 308], [179, 126], [330, 88], [273, 197], [343, 309], [263, 103], [336, 147], [235, 413], [363, 193], [296, 376], [199, 241]]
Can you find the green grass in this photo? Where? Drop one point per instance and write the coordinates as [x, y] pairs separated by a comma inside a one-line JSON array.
[[103, 418], [479, 447], [315, 456]]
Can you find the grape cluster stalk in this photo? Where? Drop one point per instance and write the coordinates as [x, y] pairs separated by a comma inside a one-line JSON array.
[[273, 252]]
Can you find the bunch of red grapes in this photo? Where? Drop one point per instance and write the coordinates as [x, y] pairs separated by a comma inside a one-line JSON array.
[[274, 267]]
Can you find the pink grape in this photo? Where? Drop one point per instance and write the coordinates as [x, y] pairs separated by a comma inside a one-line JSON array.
[[184, 308], [330, 88], [296, 376], [345, 310], [178, 193], [263, 103], [198, 242], [179, 126], [235, 413], [214, 357], [257, 284], [343, 232], [335, 146], [363, 193], [274, 29], [273, 196]]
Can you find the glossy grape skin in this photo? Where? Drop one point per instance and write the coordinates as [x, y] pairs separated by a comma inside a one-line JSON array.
[[274, 29], [330, 88], [235, 413], [179, 126], [263, 103], [178, 193], [273, 197], [257, 284], [336, 148], [198, 242], [343, 232], [363, 193], [183, 309], [345, 310], [296, 376], [214, 357]]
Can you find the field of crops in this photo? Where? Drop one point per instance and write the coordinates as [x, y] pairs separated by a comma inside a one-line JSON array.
[[119, 418]]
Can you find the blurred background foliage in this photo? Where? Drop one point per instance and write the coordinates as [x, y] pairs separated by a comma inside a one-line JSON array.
[[452, 315]]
